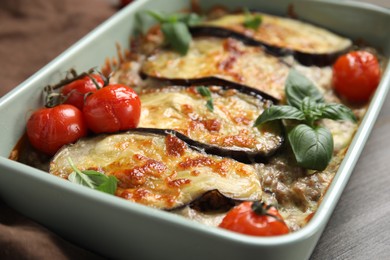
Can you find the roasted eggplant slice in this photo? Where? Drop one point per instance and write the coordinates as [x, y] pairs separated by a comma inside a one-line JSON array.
[[210, 59], [157, 169], [309, 44], [225, 130], [213, 201]]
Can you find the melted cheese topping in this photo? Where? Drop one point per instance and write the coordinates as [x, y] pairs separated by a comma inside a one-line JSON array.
[[286, 33], [223, 58], [229, 125], [159, 171], [163, 172]]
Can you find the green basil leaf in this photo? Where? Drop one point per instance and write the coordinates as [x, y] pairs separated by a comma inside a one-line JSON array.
[[177, 36], [80, 179], [205, 92], [190, 19], [162, 18], [102, 182], [175, 29], [308, 104], [109, 186], [93, 179], [338, 112], [279, 112], [252, 22], [96, 177], [210, 105], [312, 110], [298, 87], [312, 147]]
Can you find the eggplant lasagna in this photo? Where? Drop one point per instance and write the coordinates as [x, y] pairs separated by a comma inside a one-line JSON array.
[[197, 150]]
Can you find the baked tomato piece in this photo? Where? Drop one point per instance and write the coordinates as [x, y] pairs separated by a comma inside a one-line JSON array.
[[112, 108], [356, 75], [48, 129], [255, 219], [75, 91]]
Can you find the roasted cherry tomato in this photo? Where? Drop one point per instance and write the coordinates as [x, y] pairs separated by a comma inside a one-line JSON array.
[[255, 219], [48, 129], [112, 108], [76, 90], [356, 75]]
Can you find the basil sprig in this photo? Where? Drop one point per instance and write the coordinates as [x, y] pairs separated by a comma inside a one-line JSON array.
[[252, 21], [311, 143], [175, 29], [205, 92], [93, 179]]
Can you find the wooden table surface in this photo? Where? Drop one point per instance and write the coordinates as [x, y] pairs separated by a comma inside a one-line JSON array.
[[359, 228]]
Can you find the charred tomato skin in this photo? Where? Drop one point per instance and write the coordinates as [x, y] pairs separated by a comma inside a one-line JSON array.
[[356, 76], [243, 219], [111, 109], [76, 90], [48, 129]]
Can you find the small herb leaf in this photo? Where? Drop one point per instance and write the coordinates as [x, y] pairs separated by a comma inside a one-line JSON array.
[[338, 112], [298, 87], [210, 105], [252, 21], [97, 178], [177, 36], [175, 29], [158, 16], [109, 186], [312, 110], [279, 112], [190, 19], [205, 92], [77, 178], [93, 179], [312, 147]]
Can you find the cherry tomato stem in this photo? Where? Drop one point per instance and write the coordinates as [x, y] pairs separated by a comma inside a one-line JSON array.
[[76, 91]]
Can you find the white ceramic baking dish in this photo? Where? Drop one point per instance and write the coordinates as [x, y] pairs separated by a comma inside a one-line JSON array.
[[116, 228]]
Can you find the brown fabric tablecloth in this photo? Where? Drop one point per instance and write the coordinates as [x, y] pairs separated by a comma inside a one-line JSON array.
[[32, 33]]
